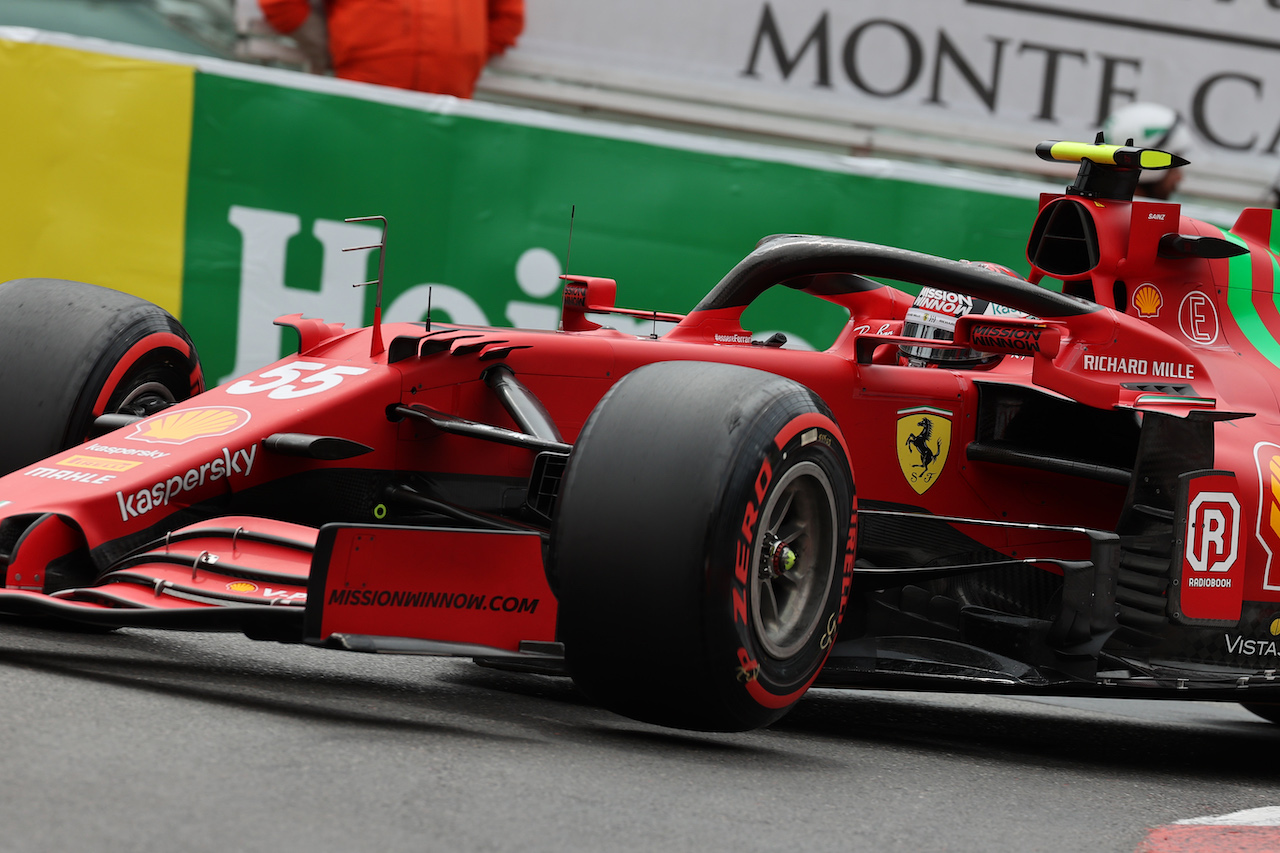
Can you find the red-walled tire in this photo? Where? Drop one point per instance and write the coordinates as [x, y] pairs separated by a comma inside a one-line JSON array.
[[70, 352], [702, 546]]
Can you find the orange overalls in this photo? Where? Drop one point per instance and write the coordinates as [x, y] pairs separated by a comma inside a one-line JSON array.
[[436, 46]]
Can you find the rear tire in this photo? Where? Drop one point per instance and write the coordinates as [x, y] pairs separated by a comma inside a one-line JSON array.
[[1269, 711], [702, 550], [70, 352]]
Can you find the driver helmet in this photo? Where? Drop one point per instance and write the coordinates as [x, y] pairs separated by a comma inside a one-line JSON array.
[[933, 315], [1149, 126]]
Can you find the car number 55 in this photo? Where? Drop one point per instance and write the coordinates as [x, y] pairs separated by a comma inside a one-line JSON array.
[[283, 384]]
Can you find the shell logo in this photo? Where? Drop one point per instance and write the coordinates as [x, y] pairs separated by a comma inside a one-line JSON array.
[[1147, 299], [190, 424], [242, 586]]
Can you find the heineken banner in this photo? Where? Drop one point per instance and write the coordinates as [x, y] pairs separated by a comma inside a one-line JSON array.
[[221, 191]]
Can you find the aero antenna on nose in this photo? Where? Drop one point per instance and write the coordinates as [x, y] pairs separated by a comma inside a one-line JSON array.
[[376, 347]]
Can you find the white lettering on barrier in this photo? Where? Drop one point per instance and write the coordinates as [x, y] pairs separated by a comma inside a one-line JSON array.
[[942, 64], [264, 295]]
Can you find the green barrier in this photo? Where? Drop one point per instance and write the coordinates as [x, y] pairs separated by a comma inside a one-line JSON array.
[[480, 211], [220, 190]]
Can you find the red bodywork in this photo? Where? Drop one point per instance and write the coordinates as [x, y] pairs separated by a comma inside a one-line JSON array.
[[1162, 354]]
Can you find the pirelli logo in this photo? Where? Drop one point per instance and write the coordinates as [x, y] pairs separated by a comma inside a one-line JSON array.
[[98, 463]]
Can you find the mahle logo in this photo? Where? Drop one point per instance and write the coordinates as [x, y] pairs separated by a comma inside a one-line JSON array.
[[190, 424]]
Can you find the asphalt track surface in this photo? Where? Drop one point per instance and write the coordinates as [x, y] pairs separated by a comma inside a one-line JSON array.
[[155, 741]]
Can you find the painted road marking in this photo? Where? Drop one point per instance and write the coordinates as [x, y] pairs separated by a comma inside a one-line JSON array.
[[1269, 816], [1249, 831]]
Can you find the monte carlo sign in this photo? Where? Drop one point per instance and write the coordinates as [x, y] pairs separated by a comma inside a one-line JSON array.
[[968, 68]]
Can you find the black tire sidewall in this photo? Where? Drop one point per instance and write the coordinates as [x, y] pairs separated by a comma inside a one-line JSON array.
[[60, 344], [1269, 711], [153, 356], [766, 686], [644, 543]]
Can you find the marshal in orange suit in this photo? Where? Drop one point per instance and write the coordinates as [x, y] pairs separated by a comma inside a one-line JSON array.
[[436, 46]]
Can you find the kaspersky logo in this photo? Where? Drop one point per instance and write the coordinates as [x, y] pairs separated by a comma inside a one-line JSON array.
[[230, 463], [190, 424]]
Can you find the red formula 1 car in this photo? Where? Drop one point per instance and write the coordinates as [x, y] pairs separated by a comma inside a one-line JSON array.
[[991, 486]]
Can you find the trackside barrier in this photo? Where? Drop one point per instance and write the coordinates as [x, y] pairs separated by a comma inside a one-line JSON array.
[[221, 191]]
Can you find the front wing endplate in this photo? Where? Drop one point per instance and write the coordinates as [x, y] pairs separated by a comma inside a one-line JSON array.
[[478, 587]]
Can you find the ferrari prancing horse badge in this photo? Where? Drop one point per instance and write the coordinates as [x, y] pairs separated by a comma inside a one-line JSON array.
[[924, 437]]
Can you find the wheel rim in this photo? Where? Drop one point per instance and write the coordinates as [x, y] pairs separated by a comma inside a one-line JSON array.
[[789, 600], [146, 395]]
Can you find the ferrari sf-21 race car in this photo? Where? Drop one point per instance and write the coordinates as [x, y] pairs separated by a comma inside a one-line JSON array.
[[989, 486]]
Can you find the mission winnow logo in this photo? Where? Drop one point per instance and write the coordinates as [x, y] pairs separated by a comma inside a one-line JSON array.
[[449, 600]]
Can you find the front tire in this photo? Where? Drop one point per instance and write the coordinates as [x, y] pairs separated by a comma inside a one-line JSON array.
[[702, 548], [70, 352]]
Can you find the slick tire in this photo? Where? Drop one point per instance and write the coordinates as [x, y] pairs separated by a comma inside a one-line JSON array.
[[70, 352], [1269, 711], [702, 546]]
